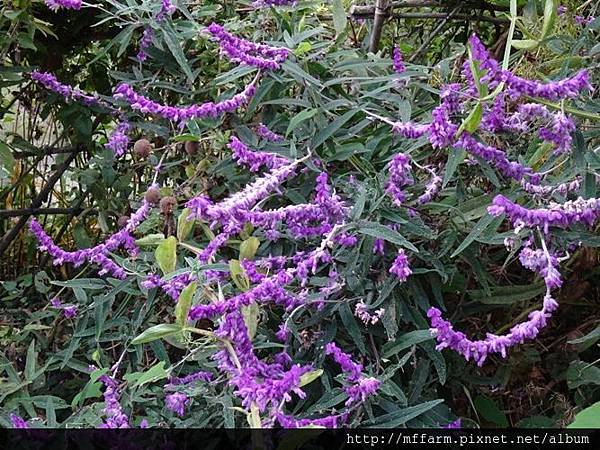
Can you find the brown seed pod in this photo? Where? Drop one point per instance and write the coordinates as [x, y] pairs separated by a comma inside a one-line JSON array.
[[191, 148], [122, 221], [152, 195], [167, 204], [142, 148]]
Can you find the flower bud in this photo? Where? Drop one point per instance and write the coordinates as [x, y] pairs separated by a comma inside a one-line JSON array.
[[122, 221], [142, 148], [191, 148], [167, 204], [152, 195]]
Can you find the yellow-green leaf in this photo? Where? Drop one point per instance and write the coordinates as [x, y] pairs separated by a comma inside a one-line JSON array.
[[550, 13], [250, 314], [166, 254], [184, 303], [184, 226], [525, 44], [238, 276], [157, 332], [248, 248], [309, 377]]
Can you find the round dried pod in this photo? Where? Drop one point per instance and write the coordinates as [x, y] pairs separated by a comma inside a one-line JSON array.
[[167, 204], [191, 148], [142, 148], [122, 221], [152, 195]]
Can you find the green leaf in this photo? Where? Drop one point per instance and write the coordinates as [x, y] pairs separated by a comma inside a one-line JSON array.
[[250, 313], [299, 118], [332, 128], [581, 373], [550, 14], [490, 411], [525, 44], [472, 121], [7, 161], [400, 417], [184, 226], [339, 16], [184, 303], [481, 226], [381, 231], [154, 373], [238, 276], [456, 156], [150, 240], [172, 42], [588, 418], [166, 254], [309, 377], [507, 295], [405, 341], [157, 332], [249, 247], [352, 327]]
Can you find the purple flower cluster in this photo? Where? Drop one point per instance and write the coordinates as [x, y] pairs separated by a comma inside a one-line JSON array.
[[182, 114], [118, 141], [254, 160], [55, 5], [50, 82], [361, 311], [172, 287], [241, 51], [397, 61], [98, 254], [264, 132], [69, 311], [360, 387], [115, 417], [268, 3], [18, 422], [431, 188], [144, 44], [177, 403], [399, 177], [400, 267], [559, 215]]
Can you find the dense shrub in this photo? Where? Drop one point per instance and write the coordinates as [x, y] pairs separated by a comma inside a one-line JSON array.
[[269, 226]]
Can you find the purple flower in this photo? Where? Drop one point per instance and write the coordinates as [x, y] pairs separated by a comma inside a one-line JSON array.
[[50, 82], [431, 189], [332, 421], [241, 51], [398, 63], [264, 132], [115, 417], [267, 3], [97, 254], [254, 160], [144, 44], [118, 141], [182, 114], [379, 246], [481, 349], [399, 177], [55, 5], [360, 391], [400, 266], [361, 311], [177, 403], [456, 424], [351, 369], [18, 422], [559, 215], [584, 21]]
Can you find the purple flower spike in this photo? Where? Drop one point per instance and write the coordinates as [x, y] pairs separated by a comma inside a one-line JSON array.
[[264, 132], [55, 5], [398, 63], [241, 51], [177, 402], [400, 266], [399, 177], [18, 422]]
